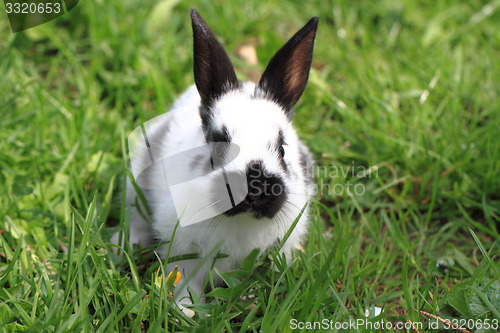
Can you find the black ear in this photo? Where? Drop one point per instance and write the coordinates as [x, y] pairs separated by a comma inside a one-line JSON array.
[[213, 72], [286, 75]]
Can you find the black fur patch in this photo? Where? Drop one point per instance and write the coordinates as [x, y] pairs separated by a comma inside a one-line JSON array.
[[281, 140], [220, 136], [281, 150], [266, 193], [213, 72], [196, 162], [306, 163], [219, 146]]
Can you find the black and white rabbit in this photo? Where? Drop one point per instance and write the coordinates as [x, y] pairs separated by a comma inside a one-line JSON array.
[[226, 159]]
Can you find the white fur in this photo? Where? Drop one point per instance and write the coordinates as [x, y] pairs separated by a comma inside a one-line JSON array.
[[253, 124]]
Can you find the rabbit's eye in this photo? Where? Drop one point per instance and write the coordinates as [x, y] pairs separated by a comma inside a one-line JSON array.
[[219, 149], [282, 152], [220, 136], [281, 144]]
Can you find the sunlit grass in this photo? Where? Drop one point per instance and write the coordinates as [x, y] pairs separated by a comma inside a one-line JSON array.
[[407, 93]]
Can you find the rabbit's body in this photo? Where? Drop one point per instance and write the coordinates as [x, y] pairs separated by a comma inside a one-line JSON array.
[[272, 160], [237, 235]]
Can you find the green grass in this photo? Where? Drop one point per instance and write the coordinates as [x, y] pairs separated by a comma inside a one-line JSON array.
[[409, 90]]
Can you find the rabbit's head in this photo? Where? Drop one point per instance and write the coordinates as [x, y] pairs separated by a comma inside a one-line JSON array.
[[256, 119]]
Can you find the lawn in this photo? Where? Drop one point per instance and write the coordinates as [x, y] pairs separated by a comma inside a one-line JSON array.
[[402, 115]]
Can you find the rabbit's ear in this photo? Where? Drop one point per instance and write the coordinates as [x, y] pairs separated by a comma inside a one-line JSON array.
[[286, 74], [213, 72]]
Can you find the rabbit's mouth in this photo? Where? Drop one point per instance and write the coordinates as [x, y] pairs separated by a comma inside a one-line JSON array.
[[258, 210], [266, 193]]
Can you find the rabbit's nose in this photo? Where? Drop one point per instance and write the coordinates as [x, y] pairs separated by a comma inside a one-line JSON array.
[[262, 186], [266, 193]]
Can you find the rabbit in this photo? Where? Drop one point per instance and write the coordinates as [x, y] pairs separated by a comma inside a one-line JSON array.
[[237, 174]]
